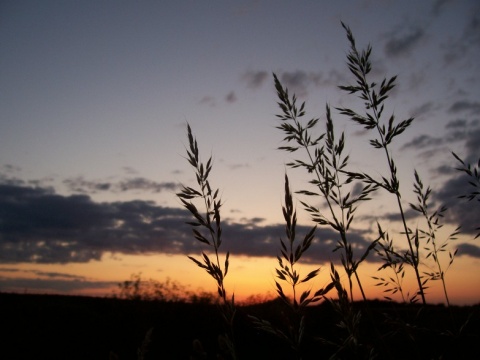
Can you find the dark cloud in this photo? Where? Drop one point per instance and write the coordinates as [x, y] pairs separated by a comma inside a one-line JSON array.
[[143, 184], [465, 106], [80, 185], [37, 225], [456, 130], [40, 226], [472, 30], [298, 82], [255, 79], [469, 41], [48, 274], [252, 221], [472, 145], [444, 170], [409, 214], [468, 249], [457, 124], [420, 111], [9, 168], [460, 211], [60, 286], [465, 213], [248, 239], [398, 45], [439, 6], [422, 142], [49, 282], [231, 97]]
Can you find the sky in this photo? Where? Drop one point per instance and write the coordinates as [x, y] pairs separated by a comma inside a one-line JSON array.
[[96, 95]]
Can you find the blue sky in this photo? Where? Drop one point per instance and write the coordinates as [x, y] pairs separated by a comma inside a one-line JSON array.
[[95, 96]]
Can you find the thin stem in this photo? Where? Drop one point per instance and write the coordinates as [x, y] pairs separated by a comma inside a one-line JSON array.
[[340, 225], [395, 183]]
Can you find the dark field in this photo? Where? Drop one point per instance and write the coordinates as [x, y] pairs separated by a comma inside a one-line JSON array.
[[67, 327]]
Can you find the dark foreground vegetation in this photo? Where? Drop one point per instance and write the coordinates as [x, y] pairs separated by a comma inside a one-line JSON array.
[[344, 328], [73, 327]]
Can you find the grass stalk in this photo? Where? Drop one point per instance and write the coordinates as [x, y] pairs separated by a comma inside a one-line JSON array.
[[210, 222], [327, 163], [359, 65]]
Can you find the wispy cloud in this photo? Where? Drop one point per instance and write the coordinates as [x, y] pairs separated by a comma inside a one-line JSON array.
[[255, 79], [420, 111], [458, 130], [460, 211], [471, 107], [456, 124], [81, 185], [422, 142], [457, 49], [238, 166], [402, 44], [439, 6], [297, 81], [231, 97], [61, 286], [207, 100], [300, 81]]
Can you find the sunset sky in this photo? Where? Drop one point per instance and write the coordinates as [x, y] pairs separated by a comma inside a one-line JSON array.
[[94, 101]]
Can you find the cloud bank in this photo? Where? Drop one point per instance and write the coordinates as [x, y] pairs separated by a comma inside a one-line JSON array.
[[39, 226]]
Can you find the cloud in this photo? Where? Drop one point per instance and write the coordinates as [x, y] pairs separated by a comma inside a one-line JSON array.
[[472, 145], [231, 97], [465, 106], [460, 211], [399, 45], [255, 79], [456, 130], [9, 168], [64, 286], [129, 170], [456, 124], [422, 142], [143, 184], [468, 249], [40, 226], [439, 6], [409, 214], [49, 282], [298, 82], [238, 166], [48, 274], [80, 185], [419, 111], [207, 100], [469, 41]]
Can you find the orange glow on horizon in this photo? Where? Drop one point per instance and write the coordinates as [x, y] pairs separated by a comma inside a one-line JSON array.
[[247, 277]]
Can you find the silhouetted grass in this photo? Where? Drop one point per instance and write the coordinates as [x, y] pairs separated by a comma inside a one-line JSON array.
[[354, 330]]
